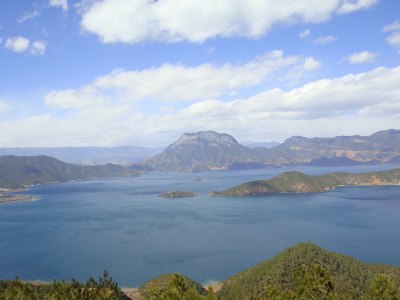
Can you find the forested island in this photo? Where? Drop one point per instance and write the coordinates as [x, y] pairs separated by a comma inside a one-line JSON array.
[[177, 194], [304, 271], [297, 182]]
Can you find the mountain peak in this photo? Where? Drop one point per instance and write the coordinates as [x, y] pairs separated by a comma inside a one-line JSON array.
[[209, 137]]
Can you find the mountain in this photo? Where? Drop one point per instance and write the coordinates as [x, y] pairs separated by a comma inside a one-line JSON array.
[[88, 155], [205, 150], [209, 150], [307, 271], [379, 147], [297, 182], [17, 171]]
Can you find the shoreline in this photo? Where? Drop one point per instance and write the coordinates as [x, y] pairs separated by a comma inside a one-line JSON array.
[[6, 198]]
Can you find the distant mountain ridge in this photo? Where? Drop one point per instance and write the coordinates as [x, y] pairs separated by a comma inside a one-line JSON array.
[[381, 146], [87, 155], [209, 150], [18, 171]]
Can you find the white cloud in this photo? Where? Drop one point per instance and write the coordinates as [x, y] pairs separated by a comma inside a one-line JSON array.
[[63, 4], [21, 44], [1, 40], [17, 44], [311, 64], [364, 57], [38, 48], [27, 16], [180, 83], [3, 106], [392, 27], [394, 39], [322, 40], [349, 6], [353, 104], [83, 98], [304, 33], [198, 20]]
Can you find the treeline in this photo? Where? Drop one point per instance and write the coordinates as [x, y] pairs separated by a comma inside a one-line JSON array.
[[104, 288]]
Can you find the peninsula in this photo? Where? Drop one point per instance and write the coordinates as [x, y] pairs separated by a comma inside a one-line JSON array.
[[5, 197], [297, 182]]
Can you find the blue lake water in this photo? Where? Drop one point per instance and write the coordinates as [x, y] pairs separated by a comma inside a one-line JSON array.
[[78, 229]]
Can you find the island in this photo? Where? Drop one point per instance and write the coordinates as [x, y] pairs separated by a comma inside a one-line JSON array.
[[297, 182], [177, 194]]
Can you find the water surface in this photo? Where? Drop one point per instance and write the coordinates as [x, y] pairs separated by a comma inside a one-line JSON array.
[[78, 229]]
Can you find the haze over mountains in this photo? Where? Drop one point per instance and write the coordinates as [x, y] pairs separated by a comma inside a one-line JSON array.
[[88, 155]]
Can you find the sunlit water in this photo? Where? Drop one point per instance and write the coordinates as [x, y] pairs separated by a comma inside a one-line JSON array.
[[78, 229]]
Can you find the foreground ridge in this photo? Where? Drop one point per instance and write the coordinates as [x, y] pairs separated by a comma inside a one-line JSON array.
[[304, 271]]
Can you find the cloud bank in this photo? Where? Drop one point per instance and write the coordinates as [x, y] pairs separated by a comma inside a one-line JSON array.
[[353, 104], [139, 21], [173, 83]]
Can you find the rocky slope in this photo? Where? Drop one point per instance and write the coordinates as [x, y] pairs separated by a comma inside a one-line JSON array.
[[206, 150], [296, 182], [379, 147]]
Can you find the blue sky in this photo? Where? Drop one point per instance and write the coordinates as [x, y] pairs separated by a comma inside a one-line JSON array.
[[139, 72]]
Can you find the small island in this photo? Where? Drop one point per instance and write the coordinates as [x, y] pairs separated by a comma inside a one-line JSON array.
[[177, 194], [297, 182]]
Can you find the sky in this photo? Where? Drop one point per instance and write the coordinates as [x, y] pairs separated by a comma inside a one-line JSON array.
[[142, 72]]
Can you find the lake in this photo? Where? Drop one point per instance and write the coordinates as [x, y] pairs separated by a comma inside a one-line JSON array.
[[78, 229]]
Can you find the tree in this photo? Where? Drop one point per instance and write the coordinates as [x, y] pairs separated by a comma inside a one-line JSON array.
[[382, 288]]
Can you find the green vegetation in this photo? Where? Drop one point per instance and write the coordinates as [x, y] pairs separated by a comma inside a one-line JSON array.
[[174, 286], [296, 182], [307, 271], [304, 271], [104, 288], [17, 171]]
